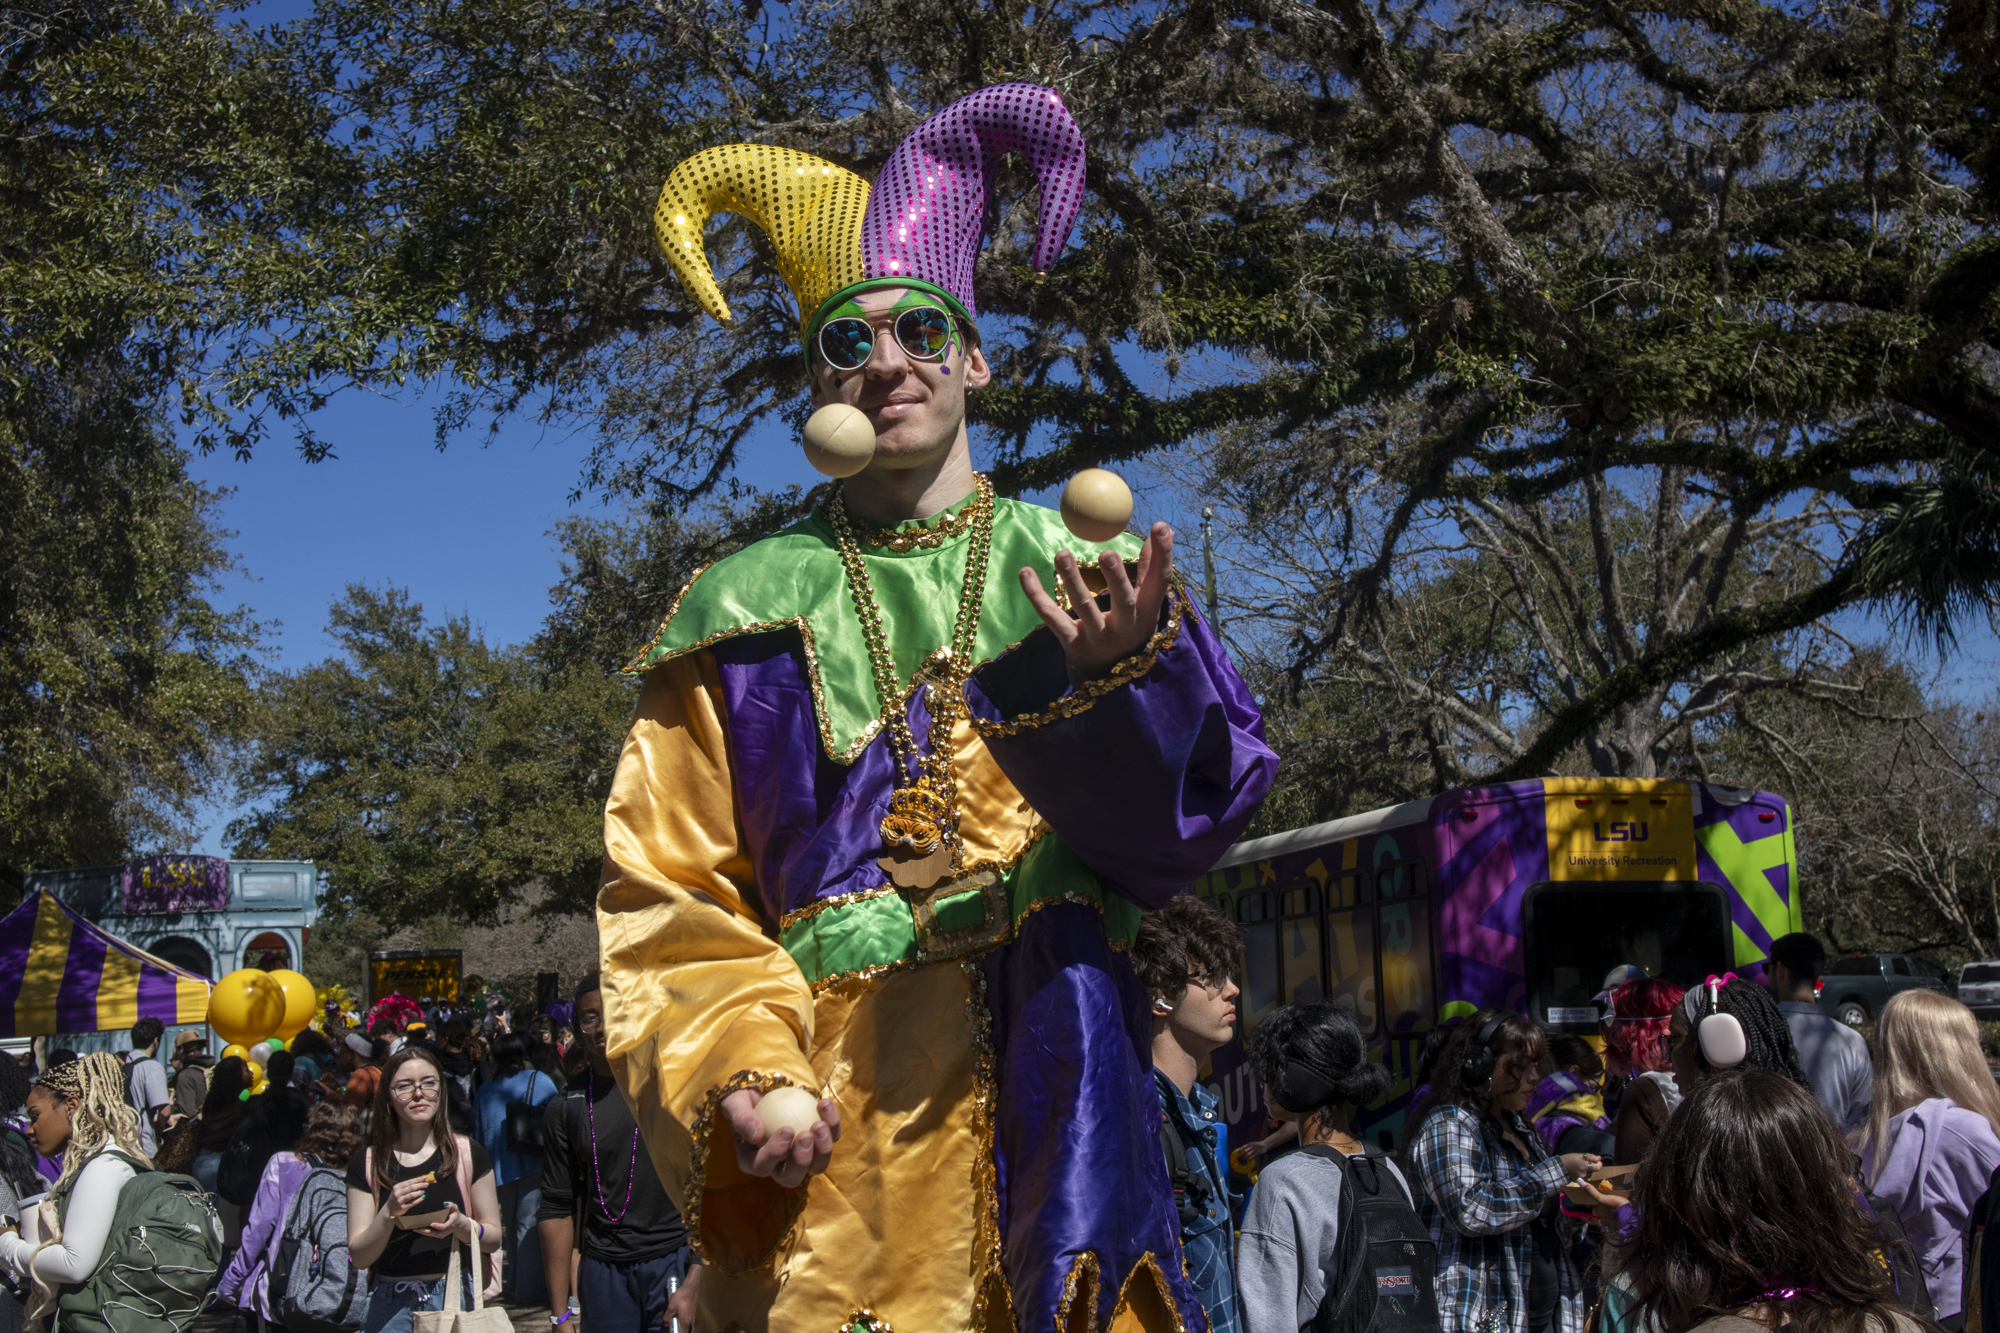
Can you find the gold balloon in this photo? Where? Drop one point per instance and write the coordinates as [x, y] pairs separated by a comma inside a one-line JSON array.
[[300, 1002], [239, 1051], [840, 440], [246, 1006], [1096, 505]]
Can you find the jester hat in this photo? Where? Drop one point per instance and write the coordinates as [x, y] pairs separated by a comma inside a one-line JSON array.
[[921, 226]]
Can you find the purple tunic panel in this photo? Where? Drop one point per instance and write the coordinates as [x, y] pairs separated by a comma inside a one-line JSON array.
[[1151, 783], [1077, 1121], [811, 825]]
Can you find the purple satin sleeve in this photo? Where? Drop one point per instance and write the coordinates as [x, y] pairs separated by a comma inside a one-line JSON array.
[[1076, 1123], [1155, 779]]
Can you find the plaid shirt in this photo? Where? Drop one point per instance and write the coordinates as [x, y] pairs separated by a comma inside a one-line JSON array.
[[1478, 1194]]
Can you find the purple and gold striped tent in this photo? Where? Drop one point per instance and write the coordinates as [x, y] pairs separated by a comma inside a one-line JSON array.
[[60, 973]]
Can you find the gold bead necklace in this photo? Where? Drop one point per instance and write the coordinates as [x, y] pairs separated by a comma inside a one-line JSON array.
[[923, 808]]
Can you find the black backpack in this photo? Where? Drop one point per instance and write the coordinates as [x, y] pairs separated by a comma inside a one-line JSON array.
[[1383, 1278], [1901, 1276]]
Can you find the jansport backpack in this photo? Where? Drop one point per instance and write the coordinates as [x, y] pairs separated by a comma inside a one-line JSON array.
[[162, 1253], [315, 1287], [1383, 1275]]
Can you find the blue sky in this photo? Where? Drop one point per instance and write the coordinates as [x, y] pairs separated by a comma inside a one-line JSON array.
[[465, 529]]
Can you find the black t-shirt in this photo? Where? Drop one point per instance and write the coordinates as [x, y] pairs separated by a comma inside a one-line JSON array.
[[588, 1158], [411, 1253]]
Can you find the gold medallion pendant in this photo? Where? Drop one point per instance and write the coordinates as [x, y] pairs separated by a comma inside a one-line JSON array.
[[920, 832]]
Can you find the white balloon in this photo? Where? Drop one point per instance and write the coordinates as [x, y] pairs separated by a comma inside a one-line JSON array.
[[259, 1054]]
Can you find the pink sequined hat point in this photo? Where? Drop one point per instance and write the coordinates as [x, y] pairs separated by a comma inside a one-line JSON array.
[[926, 217]]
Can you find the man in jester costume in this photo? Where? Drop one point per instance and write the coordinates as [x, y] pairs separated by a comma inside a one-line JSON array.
[[889, 811]]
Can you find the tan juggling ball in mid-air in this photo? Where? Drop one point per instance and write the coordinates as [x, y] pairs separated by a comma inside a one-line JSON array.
[[1096, 505], [788, 1108], [840, 440]]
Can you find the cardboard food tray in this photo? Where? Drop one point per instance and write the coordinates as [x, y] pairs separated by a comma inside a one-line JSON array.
[[418, 1221]]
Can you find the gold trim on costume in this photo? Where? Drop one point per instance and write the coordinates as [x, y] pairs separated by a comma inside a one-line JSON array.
[[1084, 1274], [985, 1174], [947, 526], [795, 1199], [1056, 898], [1086, 695], [798, 623], [875, 1322], [818, 905], [861, 974], [1147, 1266], [999, 865]]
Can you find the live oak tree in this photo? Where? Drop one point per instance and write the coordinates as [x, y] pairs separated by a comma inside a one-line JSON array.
[[1482, 621], [124, 682], [434, 776], [1739, 246], [427, 772], [1479, 259]]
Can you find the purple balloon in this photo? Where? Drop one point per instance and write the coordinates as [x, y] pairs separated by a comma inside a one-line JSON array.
[[926, 217]]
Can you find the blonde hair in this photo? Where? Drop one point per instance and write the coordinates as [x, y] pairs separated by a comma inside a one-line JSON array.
[[96, 1082], [1926, 1045]]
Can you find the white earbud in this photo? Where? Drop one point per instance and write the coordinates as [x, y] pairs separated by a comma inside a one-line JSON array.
[[1723, 1044], [1162, 1007]]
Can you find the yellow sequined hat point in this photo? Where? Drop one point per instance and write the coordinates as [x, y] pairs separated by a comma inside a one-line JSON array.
[[810, 208]]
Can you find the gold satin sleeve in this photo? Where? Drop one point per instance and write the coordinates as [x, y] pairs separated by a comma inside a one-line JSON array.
[[699, 1000]]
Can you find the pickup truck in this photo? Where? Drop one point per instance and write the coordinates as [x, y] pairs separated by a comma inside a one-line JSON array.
[[1854, 988]]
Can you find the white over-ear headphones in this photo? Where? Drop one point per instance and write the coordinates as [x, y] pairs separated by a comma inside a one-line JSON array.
[[1723, 1044]]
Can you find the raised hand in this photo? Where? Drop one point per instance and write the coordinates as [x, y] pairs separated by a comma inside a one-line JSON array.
[[1094, 639], [784, 1156], [404, 1194]]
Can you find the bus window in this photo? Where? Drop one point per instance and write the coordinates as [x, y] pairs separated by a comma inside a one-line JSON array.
[[1259, 979], [1298, 942], [1403, 879], [1402, 916], [1406, 966], [1350, 946], [1575, 933]]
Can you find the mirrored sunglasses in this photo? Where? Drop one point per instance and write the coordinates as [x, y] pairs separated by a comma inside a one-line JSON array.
[[923, 332]]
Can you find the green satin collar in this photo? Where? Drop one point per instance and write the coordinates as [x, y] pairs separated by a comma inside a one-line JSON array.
[[793, 579]]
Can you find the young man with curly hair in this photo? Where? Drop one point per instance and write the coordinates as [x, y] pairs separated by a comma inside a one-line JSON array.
[[1186, 957]]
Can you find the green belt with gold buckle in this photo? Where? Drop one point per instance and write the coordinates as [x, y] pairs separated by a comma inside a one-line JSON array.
[[872, 932]]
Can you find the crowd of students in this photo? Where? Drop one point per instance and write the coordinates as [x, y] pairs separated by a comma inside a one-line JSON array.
[[1735, 1161], [1766, 1168], [344, 1194]]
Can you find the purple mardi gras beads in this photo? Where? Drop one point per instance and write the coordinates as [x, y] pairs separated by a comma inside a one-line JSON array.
[[927, 216]]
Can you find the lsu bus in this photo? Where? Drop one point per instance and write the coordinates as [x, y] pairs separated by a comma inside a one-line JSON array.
[[1520, 896]]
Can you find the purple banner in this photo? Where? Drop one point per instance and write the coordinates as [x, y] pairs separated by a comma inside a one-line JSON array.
[[175, 884]]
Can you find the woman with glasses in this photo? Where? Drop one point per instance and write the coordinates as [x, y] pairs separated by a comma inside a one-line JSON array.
[[413, 1192]]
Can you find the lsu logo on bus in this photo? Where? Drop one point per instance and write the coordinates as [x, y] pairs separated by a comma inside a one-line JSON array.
[[1619, 830]]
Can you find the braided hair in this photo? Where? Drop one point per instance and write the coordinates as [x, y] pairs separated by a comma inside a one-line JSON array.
[[96, 1083], [1767, 1035]]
